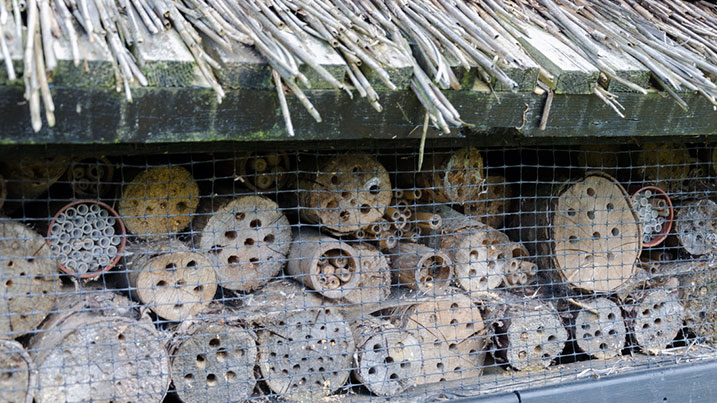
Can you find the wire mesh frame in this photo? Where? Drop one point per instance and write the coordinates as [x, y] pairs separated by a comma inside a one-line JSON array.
[[305, 274]]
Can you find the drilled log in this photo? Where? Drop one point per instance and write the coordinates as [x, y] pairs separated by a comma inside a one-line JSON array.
[[654, 318], [453, 178], [451, 333], [387, 360], [213, 362], [323, 263], [346, 194], [260, 171], [29, 279], [91, 177], [30, 178], [494, 205], [98, 345], [171, 280], [527, 334], [421, 267], [250, 238], [18, 380], [665, 165], [519, 269], [696, 227], [374, 283], [596, 325], [159, 201]]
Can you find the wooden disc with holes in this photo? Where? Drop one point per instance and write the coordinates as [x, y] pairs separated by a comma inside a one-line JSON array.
[[374, 283], [29, 279], [250, 238], [348, 193], [29, 178], [159, 201], [387, 360], [453, 178], [98, 345], [491, 207], [91, 177], [480, 255], [595, 234], [451, 334], [698, 293], [421, 267], [657, 317], [603, 335], [527, 333], [696, 227], [18, 380], [214, 363], [305, 355]]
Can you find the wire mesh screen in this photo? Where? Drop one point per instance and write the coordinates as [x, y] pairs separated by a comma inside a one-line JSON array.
[[352, 275]]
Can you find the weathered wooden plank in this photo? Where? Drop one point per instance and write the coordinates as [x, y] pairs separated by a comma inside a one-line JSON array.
[[398, 67], [95, 67], [165, 60], [626, 67], [573, 74]]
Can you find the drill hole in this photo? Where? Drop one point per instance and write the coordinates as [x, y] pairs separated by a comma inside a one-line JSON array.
[[230, 234]]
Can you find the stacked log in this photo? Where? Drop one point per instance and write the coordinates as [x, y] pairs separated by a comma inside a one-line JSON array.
[[262, 171], [249, 237], [453, 178], [420, 267], [29, 282], [213, 360], [655, 318], [173, 281], [374, 284], [91, 177], [30, 178], [451, 333], [325, 264], [520, 270], [696, 227], [387, 360], [596, 326], [98, 345], [17, 382], [492, 206], [347, 194], [159, 201], [665, 165], [588, 231]]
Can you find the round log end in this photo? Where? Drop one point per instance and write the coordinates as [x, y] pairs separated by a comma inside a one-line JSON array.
[[697, 227], [389, 363], [602, 335], [536, 336], [658, 320], [17, 381], [480, 257]]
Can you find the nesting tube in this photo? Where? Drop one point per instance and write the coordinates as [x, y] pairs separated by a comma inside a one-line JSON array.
[[263, 171], [311, 261], [519, 269], [421, 267]]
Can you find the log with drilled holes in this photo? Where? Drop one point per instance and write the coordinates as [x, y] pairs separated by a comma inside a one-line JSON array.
[[374, 283], [458, 177], [98, 345], [249, 236], [421, 267], [213, 361], [494, 205], [596, 325], [587, 232], [346, 194], [29, 178], [451, 333], [696, 227], [173, 281], [159, 201], [527, 334], [305, 347], [519, 269], [654, 318], [325, 264], [262, 171], [18, 381], [91, 177], [28, 281], [664, 165], [387, 360]]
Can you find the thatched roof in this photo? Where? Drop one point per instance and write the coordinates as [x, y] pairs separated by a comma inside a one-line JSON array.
[[430, 46]]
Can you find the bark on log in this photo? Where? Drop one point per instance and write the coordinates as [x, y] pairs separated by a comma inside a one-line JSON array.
[[171, 280], [98, 346], [587, 232], [451, 333], [491, 207], [18, 381], [29, 279], [596, 325], [325, 264], [387, 360], [30, 178], [249, 237], [159, 201], [696, 227], [453, 178], [654, 318], [213, 361], [374, 283], [91, 178], [346, 194], [421, 267]]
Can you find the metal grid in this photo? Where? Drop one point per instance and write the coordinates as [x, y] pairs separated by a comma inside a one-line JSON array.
[[352, 275]]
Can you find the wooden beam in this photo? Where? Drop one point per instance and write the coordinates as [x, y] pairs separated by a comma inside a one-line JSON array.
[[166, 61]]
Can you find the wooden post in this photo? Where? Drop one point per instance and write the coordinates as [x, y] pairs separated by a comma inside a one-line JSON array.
[[93, 341], [171, 280], [420, 267], [451, 333], [29, 178], [374, 283], [596, 326], [348, 193], [696, 227], [527, 333], [325, 264], [29, 279], [249, 237], [494, 205], [213, 362], [654, 318], [91, 177], [18, 381], [387, 360], [159, 201], [3, 191], [455, 178]]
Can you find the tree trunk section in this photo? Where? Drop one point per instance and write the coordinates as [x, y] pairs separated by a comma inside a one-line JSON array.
[[374, 283], [29, 178], [420, 267], [491, 207], [453, 178], [654, 318], [596, 326], [696, 227], [18, 381]]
